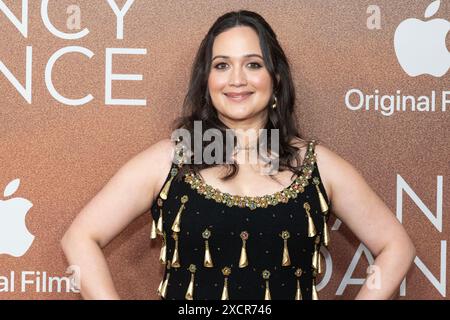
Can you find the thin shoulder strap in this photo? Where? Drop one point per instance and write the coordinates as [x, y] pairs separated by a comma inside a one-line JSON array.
[[311, 146], [178, 160]]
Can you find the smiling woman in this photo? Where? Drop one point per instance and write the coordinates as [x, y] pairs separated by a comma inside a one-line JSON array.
[[239, 84], [242, 234]]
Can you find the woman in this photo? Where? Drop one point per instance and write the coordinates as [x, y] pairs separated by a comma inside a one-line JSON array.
[[239, 234]]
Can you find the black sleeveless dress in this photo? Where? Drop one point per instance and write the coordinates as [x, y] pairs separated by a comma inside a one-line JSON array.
[[219, 246]]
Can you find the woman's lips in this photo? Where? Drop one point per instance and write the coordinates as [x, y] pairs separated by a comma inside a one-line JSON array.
[[238, 98]]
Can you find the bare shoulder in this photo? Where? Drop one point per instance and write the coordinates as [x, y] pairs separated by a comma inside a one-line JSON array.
[[159, 156], [334, 169], [161, 150], [151, 166]]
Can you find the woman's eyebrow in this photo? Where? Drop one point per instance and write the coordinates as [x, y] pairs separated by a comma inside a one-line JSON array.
[[245, 56]]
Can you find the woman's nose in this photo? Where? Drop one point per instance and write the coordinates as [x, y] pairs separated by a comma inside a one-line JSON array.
[[237, 77]]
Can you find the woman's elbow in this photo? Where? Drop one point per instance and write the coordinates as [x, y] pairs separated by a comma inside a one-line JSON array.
[[409, 249], [413, 251], [65, 241]]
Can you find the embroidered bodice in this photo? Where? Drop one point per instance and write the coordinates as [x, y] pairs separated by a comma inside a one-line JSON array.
[[221, 246]]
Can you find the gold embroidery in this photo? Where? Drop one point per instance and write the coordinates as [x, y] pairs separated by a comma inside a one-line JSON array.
[[283, 196]]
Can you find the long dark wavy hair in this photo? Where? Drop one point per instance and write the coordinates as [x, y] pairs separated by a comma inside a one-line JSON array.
[[197, 105]]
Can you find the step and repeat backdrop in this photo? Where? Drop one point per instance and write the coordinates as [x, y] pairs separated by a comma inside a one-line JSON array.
[[86, 85]]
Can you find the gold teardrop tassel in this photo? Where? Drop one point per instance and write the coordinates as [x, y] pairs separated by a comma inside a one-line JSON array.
[[162, 290], [165, 190], [207, 262], [315, 296], [326, 233], [323, 203], [159, 228], [160, 287], [266, 276], [324, 209], [162, 254], [286, 261], [176, 256], [315, 257], [177, 222], [226, 272], [153, 234], [319, 263], [311, 228], [298, 293], [190, 291], [243, 261]]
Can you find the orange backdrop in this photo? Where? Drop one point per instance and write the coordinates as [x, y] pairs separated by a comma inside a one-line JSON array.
[[63, 154]]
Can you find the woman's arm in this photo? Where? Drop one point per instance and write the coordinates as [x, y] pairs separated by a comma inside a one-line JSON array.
[[368, 217], [127, 195]]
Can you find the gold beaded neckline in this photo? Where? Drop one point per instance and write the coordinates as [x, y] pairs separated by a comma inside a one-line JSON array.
[[283, 196]]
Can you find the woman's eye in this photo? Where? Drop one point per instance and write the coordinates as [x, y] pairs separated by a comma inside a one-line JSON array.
[[218, 65], [254, 65]]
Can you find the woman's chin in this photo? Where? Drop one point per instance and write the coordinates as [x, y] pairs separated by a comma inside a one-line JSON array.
[[239, 115]]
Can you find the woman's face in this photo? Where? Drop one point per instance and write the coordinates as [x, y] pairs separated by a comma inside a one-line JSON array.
[[239, 83]]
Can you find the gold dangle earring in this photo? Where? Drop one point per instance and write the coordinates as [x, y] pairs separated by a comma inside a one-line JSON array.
[[274, 105], [177, 222], [266, 276], [226, 272], [159, 228], [298, 293], [243, 261], [286, 261], [162, 290], [190, 291], [207, 262], [175, 257], [311, 228], [324, 209]]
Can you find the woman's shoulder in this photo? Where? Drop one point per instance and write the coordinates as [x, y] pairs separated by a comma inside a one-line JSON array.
[[159, 158], [161, 150], [334, 169]]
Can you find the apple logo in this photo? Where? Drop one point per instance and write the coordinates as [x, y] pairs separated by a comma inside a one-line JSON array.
[[420, 46], [15, 239]]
